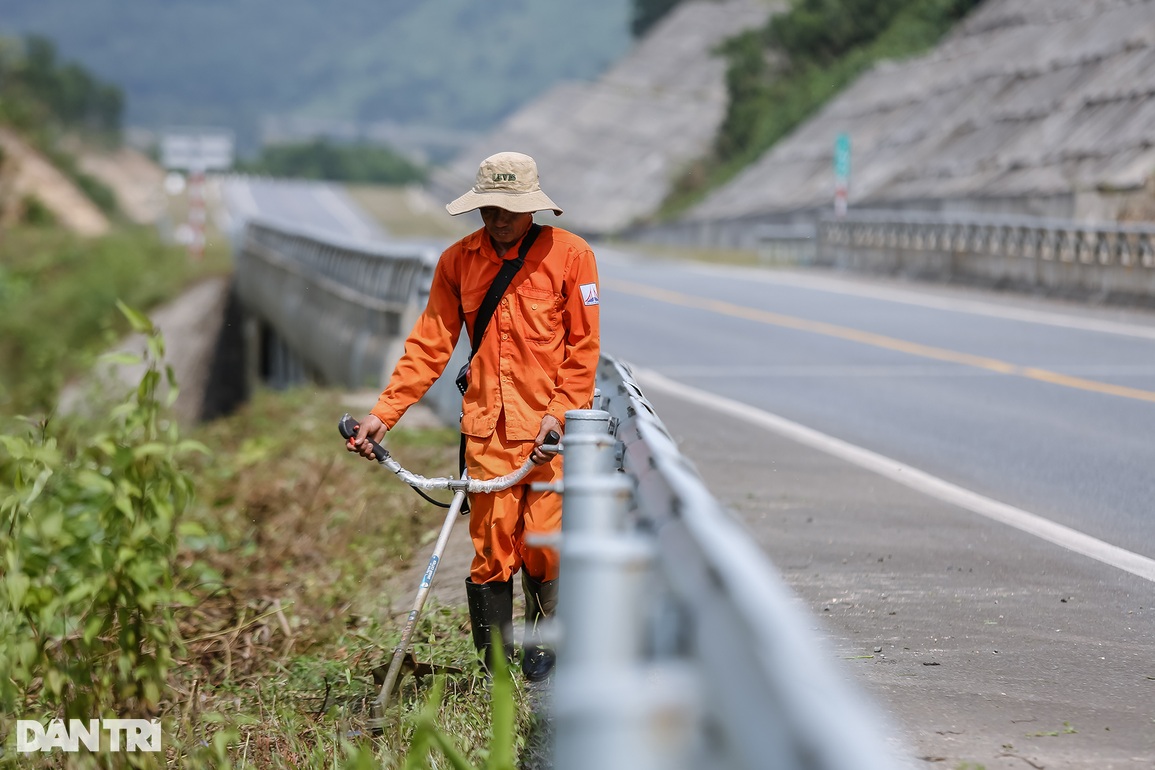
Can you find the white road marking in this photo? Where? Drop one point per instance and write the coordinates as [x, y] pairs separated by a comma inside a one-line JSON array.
[[1031, 523], [717, 371]]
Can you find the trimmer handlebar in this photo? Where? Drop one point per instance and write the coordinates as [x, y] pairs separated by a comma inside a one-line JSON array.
[[348, 427]]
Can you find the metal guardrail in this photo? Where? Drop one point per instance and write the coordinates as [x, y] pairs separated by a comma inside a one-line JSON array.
[[681, 647], [1014, 237], [785, 244], [1101, 260], [335, 309], [1113, 261]]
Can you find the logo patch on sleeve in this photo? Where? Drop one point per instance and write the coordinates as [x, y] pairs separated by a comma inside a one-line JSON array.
[[590, 294]]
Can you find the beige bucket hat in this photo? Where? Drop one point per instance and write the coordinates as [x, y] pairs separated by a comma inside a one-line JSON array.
[[509, 181]]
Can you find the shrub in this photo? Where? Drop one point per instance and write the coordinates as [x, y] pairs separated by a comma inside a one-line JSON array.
[[38, 85], [87, 592], [35, 213]]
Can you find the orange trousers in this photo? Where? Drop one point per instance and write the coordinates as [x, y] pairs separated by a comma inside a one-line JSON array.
[[499, 522]]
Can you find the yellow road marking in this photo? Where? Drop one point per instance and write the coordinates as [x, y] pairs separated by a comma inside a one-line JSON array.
[[878, 340]]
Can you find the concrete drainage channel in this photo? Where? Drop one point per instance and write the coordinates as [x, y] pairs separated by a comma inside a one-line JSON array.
[[205, 346]]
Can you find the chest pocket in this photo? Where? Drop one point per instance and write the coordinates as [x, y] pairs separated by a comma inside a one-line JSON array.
[[538, 309]]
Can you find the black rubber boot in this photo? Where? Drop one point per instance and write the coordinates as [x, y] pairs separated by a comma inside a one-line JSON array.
[[540, 603], [490, 611]]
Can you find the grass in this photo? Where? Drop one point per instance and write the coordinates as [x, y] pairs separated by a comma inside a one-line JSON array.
[[59, 293], [290, 552]]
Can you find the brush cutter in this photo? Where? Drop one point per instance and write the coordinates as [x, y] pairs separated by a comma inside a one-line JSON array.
[[348, 428]]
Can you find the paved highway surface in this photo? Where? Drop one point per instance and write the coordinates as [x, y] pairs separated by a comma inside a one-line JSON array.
[[317, 205], [903, 453], [1052, 414]]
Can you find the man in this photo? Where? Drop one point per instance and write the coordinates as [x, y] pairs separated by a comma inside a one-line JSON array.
[[535, 360]]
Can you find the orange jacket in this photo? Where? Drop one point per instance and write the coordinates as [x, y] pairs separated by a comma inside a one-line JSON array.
[[540, 350]]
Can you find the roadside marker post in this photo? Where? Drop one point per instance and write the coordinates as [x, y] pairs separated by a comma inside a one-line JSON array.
[[196, 214], [197, 151]]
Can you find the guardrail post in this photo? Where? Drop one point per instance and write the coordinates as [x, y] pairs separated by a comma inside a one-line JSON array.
[[612, 708], [590, 450]]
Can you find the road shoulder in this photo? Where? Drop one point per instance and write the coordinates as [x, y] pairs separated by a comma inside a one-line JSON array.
[[985, 644]]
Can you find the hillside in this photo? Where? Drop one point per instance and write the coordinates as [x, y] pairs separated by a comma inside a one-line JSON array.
[[1037, 107], [268, 65], [29, 180]]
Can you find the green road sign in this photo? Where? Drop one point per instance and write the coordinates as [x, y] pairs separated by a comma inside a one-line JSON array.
[[842, 157]]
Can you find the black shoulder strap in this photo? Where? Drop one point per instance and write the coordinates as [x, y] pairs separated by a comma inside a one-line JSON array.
[[500, 283]]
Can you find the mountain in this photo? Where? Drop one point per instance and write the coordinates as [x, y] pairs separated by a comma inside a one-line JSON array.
[[279, 67]]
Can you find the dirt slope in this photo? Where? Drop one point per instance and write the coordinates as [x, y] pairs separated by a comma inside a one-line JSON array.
[[29, 174], [135, 179]]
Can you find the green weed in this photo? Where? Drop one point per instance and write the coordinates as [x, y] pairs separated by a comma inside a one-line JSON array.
[[90, 515]]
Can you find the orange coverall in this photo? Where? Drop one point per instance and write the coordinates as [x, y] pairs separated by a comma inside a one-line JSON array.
[[539, 356]]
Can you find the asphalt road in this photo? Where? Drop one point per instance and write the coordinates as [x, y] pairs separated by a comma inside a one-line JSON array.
[[316, 205], [902, 452], [1059, 420]]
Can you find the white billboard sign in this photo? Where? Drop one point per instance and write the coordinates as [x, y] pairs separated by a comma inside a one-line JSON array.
[[197, 149]]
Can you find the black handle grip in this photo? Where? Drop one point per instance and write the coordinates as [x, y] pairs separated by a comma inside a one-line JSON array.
[[552, 437], [349, 427]]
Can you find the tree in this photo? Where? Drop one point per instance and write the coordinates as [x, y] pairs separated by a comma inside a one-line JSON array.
[[322, 159], [35, 81]]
